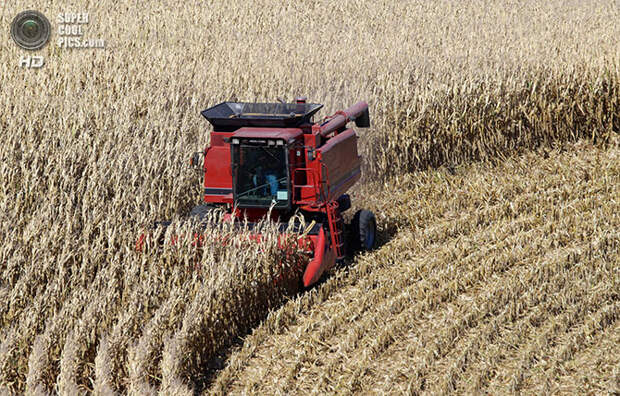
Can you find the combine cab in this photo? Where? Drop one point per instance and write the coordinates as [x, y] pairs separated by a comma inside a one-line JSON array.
[[271, 158]]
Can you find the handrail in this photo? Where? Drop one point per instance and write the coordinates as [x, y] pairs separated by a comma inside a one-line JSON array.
[[311, 172], [257, 187]]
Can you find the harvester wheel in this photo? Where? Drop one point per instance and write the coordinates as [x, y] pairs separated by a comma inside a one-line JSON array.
[[364, 227]]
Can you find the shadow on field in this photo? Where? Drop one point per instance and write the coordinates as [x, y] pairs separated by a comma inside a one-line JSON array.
[[385, 233]]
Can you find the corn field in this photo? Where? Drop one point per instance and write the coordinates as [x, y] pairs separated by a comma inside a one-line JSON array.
[[492, 165]]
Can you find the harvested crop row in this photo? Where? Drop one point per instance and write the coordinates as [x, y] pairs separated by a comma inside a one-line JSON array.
[[395, 323], [513, 375], [596, 366], [559, 292], [414, 294]]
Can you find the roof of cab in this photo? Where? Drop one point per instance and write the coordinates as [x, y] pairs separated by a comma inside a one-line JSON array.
[[285, 134]]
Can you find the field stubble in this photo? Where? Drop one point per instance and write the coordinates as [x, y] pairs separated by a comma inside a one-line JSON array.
[[497, 288]]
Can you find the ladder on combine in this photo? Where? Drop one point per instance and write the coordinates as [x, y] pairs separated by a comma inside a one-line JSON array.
[[336, 228]]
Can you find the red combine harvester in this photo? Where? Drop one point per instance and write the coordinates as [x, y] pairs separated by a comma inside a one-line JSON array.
[[272, 158]]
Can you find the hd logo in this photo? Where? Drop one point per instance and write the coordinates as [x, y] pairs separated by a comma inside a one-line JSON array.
[[31, 30], [31, 62]]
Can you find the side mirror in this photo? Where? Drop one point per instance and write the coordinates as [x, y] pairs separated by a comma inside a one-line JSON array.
[[195, 160]]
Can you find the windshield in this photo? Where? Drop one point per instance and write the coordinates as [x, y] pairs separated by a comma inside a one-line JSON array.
[[261, 176]]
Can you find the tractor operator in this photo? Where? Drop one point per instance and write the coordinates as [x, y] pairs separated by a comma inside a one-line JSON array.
[[266, 171]]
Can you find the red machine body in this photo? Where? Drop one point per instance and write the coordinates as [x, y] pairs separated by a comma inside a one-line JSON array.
[[272, 158]]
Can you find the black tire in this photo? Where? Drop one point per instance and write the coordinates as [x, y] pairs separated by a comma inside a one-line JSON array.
[[364, 230]]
